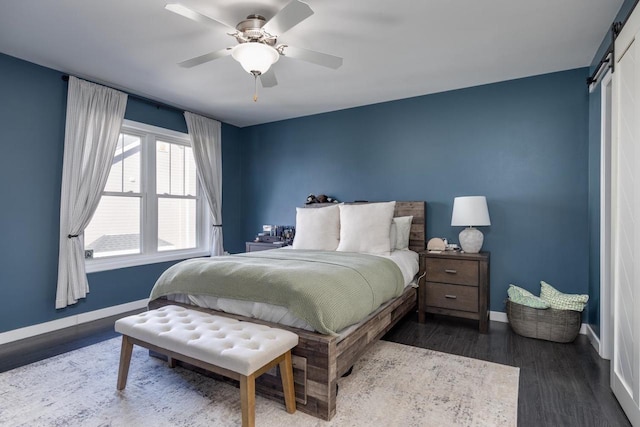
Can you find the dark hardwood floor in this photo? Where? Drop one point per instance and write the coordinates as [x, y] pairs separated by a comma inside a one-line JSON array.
[[560, 384], [23, 352]]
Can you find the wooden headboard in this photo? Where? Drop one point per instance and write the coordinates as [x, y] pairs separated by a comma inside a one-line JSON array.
[[418, 235]]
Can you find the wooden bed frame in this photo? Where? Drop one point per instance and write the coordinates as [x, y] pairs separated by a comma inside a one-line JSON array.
[[319, 360]]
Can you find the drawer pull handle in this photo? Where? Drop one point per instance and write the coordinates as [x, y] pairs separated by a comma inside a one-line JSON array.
[[451, 271], [451, 296]]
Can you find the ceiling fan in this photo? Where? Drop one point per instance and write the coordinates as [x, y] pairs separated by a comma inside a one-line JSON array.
[[257, 38]]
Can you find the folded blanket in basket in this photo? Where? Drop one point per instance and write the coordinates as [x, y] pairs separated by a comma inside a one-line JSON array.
[[562, 301], [524, 297]]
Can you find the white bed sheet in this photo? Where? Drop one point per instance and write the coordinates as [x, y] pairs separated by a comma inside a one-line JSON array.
[[406, 260]]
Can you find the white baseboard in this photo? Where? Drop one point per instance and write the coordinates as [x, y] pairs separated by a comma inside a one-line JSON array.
[[583, 329], [54, 325], [593, 338], [499, 316]]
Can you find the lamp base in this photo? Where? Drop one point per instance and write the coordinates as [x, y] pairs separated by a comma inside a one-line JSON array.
[[471, 240]]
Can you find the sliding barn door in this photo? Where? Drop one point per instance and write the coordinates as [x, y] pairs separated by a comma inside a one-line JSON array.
[[625, 363]]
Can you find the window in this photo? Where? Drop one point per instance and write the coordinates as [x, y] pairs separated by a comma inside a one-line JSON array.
[[152, 207]]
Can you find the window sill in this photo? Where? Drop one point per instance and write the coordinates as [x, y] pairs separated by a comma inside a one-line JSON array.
[[114, 263]]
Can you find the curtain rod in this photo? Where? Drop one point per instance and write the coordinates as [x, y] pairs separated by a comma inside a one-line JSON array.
[[156, 104]]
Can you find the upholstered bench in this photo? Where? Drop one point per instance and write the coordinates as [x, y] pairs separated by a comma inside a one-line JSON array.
[[232, 348]]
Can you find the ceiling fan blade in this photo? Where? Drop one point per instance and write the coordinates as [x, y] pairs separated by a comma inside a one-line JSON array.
[[288, 17], [314, 57], [268, 79], [205, 58], [182, 10]]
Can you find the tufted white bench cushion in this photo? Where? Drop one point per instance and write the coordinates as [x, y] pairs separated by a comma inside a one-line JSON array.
[[241, 347], [229, 347]]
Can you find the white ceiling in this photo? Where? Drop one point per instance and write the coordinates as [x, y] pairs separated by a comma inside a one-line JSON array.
[[391, 49]]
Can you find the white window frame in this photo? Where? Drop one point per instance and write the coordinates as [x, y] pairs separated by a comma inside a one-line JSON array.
[[149, 209]]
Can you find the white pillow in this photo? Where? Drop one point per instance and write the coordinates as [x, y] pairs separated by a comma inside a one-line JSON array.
[[366, 228], [317, 228], [402, 227]]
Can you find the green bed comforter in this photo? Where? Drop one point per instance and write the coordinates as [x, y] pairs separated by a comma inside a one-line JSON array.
[[329, 290]]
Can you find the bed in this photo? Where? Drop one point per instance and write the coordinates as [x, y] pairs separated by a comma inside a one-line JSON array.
[[321, 358]]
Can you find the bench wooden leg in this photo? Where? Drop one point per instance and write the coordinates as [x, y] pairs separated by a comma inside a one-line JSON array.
[[286, 373], [248, 400], [171, 362], [125, 360]]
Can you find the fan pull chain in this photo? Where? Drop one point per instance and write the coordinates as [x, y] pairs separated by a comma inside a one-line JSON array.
[[255, 87]]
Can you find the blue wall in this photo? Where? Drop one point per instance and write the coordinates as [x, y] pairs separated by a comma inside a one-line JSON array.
[[32, 119], [521, 143], [594, 181]]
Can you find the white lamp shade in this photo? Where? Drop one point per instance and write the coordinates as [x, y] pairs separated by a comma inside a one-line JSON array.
[[470, 211], [255, 57]]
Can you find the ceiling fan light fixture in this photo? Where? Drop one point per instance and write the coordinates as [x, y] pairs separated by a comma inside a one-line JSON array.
[[255, 57]]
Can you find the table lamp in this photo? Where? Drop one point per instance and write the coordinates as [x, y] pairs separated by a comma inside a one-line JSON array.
[[468, 212]]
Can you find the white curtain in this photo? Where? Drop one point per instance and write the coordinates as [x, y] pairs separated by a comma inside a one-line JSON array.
[[206, 141], [94, 119]]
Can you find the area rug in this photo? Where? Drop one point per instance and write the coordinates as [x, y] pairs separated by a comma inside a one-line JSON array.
[[392, 385]]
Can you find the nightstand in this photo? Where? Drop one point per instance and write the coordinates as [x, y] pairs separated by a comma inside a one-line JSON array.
[[455, 284], [262, 246]]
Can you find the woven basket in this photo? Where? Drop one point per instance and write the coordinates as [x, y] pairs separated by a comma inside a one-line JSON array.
[[545, 324]]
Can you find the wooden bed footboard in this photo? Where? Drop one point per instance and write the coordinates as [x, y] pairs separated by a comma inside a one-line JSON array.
[[319, 360]]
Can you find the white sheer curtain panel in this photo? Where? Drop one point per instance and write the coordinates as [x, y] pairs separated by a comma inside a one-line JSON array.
[[94, 119], [206, 141]]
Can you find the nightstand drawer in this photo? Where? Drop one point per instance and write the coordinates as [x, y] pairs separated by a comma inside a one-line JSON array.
[[455, 297], [461, 272]]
